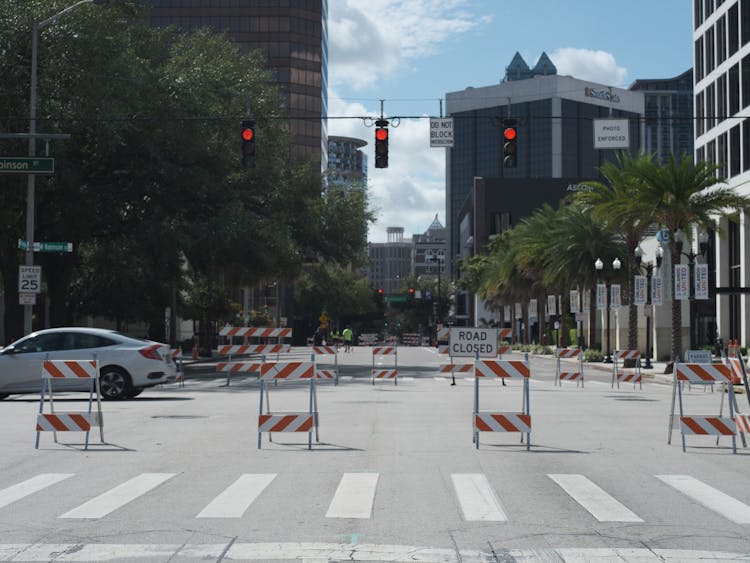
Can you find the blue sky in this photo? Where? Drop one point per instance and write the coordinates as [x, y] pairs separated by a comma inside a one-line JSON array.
[[411, 52]]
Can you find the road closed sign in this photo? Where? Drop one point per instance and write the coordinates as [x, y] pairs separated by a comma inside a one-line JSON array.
[[468, 342]]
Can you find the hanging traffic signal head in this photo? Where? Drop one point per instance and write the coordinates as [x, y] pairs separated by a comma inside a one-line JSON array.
[[381, 143], [510, 148], [248, 143]]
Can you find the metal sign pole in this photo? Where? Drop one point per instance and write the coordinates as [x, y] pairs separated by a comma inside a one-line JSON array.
[[674, 391]]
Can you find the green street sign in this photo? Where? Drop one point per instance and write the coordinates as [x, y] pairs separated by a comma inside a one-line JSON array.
[[53, 246], [395, 298], [26, 165], [46, 246]]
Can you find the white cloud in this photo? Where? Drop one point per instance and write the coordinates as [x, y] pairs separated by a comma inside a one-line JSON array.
[[412, 189], [369, 40], [586, 64]]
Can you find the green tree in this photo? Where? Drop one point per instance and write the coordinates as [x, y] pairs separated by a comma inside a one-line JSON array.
[[683, 194], [618, 202]]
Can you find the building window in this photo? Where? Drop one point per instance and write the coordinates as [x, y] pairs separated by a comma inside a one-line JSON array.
[[734, 89], [699, 59], [721, 40], [734, 30], [745, 145], [722, 157], [710, 51], [745, 21], [721, 98], [734, 148], [700, 112], [734, 278]]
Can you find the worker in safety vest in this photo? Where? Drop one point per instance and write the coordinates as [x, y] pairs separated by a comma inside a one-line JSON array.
[[347, 335]]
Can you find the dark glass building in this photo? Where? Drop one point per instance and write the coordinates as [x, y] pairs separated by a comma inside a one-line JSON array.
[[294, 37]]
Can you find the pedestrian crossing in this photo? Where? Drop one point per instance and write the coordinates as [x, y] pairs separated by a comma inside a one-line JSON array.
[[475, 497]]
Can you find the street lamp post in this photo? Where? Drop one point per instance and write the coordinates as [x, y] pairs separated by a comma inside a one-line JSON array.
[[650, 312], [31, 183], [679, 241], [599, 265]]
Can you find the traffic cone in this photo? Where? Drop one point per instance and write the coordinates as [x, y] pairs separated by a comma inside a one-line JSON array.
[[195, 351]]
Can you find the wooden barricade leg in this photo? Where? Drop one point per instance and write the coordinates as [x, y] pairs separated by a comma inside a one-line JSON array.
[[679, 391]]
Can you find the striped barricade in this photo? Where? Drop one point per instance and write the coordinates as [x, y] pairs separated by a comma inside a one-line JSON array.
[[618, 375], [247, 349], [288, 421], [574, 375], [56, 370], [505, 334], [453, 368], [255, 332], [484, 421], [385, 373], [330, 374], [504, 350], [231, 368], [176, 355], [704, 425]]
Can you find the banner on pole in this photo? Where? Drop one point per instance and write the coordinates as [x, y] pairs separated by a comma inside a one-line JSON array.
[[639, 290], [615, 298], [657, 290], [519, 311], [601, 296], [586, 300], [506, 314], [552, 304], [575, 303], [681, 282], [533, 310], [701, 281]]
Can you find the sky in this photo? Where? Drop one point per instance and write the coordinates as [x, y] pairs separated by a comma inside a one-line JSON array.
[[410, 53]]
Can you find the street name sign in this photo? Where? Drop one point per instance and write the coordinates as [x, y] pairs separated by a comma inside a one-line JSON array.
[[30, 279], [26, 164], [441, 132], [468, 342], [46, 246], [395, 298]]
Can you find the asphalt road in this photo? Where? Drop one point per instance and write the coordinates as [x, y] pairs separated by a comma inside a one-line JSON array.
[[394, 477]]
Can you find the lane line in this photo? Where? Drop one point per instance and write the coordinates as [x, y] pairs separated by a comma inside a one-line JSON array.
[[713, 499], [354, 496], [477, 498], [30, 486], [593, 498], [237, 497], [119, 496]]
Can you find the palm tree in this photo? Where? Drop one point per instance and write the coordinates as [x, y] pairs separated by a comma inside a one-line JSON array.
[[618, 203], [684, 194]]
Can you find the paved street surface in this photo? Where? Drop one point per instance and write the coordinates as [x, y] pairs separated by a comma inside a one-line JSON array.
[[394, 477]]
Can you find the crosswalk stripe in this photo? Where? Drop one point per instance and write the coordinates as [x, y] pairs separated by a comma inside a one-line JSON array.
[[119, 496], [354, 496], [30, 486], [709, 497], [477, 498], [237, 498], [590, 496]]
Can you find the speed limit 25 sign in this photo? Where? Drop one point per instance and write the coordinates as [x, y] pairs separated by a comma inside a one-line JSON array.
[[29, 279]]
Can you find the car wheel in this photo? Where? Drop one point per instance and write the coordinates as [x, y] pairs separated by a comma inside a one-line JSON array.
[[135, 392], [114, 383]]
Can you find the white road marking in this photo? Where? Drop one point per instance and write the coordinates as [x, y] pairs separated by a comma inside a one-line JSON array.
[[709, 497], [477, 498], [30, 486], [336, 552], [590, 496], [354, 496], [119, 496], [237, 498]]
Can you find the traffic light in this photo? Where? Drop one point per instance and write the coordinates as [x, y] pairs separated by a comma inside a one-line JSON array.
[[381, 143], [248, 144], [510, 148]]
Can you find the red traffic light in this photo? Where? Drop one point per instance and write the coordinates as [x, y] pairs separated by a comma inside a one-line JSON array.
[[509, 133], [380, 290], [381, 134], [247, 134], [411, 290]]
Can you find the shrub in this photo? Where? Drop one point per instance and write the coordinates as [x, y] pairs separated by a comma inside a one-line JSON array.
[[592, 355]]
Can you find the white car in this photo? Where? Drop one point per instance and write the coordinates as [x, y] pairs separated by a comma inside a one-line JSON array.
[[126, 365]]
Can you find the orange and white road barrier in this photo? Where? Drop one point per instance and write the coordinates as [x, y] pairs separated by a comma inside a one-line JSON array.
[[255, 332], [385, 373], [505, 334], [704, 424], [56, 370], [288, 421], [618, 375], [572, 375], [331, 374], [245, 349], [504, 350], [231, 368], [489, 421]]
